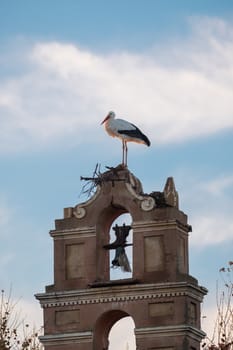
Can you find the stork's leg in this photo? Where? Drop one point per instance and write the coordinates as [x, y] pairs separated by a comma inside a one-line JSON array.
[[126, 153], [123, 152]]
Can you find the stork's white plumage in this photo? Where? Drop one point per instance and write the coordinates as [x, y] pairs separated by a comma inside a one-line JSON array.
[[125, 131]]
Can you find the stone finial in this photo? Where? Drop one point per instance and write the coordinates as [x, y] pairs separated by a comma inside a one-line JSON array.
[[170, 193]]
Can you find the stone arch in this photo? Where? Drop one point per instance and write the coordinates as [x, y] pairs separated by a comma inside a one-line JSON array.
[[103, 326]]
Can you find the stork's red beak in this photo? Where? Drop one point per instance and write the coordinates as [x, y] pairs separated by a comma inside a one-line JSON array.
[[105, 119]]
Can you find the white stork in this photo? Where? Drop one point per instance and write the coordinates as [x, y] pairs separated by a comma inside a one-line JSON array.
[[125, 131]]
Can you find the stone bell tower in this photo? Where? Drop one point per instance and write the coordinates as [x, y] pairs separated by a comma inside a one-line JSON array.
[[162, 298]]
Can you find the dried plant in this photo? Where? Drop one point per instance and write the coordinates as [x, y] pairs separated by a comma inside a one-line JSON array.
[[14, 333], [222, 338]]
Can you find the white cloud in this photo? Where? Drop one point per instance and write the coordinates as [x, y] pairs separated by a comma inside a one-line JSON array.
[[24, 312], [217, 310], [31, 313], [220, 185], [210, 205], [66, 91], [208, 320], [211, 229]]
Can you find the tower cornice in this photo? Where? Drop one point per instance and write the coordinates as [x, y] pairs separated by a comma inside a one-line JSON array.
[[121, 294]]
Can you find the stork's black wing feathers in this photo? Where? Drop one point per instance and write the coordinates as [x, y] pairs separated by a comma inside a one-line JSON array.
[[136, 133]]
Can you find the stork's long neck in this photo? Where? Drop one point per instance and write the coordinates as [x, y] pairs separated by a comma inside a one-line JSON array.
[[109, 127]]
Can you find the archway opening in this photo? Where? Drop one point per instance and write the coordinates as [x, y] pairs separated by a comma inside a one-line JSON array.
[[121, 335], [114, 330], [121, 258]]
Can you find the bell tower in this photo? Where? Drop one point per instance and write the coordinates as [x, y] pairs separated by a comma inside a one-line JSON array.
[[162, 298]]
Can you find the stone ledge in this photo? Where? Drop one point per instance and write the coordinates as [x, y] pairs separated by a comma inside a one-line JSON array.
[[121, 294], [170, 331], [66, 338]]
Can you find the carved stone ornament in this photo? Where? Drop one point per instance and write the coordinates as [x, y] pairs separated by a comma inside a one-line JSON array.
[[148, 204], [79, 212], [170, 193]]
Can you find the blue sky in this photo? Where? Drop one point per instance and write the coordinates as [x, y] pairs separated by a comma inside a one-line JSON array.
[[165, 66]]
